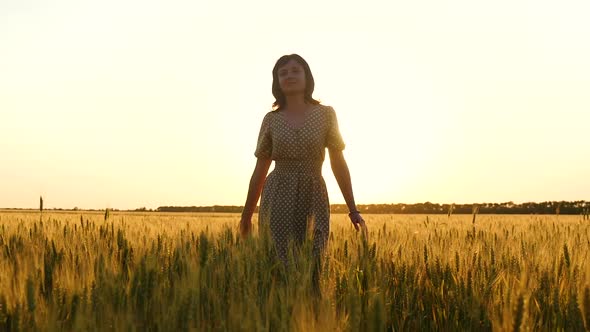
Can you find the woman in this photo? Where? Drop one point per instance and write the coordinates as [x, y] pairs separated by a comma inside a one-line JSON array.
[[295, 135]]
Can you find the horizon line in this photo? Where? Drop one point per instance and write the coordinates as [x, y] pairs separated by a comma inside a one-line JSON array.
[[75, 208]]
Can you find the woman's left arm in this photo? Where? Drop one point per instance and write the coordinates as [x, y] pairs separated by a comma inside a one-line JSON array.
[[342, 175]]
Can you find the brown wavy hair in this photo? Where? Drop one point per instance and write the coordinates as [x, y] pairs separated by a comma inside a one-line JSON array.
[[280, 99]]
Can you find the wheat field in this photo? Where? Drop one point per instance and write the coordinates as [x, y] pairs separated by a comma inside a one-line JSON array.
[[177, 272]]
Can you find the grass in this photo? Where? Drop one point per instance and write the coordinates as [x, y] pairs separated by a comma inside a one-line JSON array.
[[157, 271]]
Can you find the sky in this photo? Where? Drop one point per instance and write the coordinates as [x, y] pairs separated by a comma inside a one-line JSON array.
[[128, 104]]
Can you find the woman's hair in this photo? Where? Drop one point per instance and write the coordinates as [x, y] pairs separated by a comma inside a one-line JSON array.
[[280, 100]]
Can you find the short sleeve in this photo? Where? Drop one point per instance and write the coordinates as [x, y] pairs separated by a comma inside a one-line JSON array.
[[334, 140], [264, 144]]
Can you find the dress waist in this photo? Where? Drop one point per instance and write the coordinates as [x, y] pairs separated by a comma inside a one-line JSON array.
[[301, 166]]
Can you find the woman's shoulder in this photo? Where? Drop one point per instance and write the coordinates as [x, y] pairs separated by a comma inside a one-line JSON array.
[[268, 119], [327, 110], [270, 114]]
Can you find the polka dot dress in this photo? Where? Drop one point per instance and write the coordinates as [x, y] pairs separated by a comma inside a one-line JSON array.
[[294, 197]]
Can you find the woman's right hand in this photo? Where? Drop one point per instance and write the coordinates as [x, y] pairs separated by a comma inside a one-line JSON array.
[[245, 226]]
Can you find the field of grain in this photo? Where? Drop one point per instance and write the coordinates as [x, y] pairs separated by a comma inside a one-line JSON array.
[[155, 271]]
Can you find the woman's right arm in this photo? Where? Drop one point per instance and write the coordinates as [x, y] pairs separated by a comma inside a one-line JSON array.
[[254, 191]]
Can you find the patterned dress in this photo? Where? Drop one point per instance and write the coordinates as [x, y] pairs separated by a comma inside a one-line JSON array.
[[294, 197]]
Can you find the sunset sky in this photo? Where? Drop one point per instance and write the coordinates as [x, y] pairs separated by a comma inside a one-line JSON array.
[[128, 104]]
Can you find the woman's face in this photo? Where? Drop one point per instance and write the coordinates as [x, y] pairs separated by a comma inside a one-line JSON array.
[[292, 78]]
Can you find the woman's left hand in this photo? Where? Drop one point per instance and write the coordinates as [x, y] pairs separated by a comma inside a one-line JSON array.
[[359, 223]]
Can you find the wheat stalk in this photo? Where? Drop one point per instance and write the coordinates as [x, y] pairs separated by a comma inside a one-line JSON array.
[[519, 314]]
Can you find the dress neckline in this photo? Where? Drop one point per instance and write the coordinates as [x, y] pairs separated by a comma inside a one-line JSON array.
[[303, 122]]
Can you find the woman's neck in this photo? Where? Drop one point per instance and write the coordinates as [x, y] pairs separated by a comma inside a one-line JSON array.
[[295, 102]]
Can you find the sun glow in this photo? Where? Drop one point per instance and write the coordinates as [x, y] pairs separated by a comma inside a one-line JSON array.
[[139, 104]]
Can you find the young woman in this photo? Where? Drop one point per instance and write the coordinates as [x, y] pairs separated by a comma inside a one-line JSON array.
[[295, 135]]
